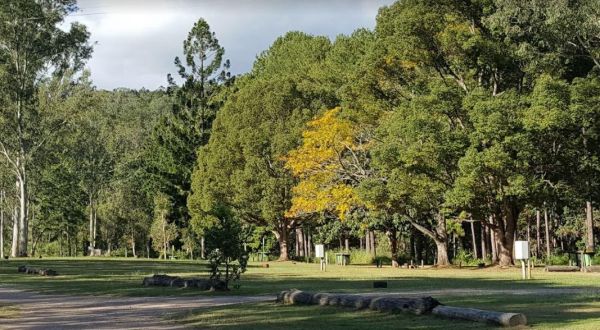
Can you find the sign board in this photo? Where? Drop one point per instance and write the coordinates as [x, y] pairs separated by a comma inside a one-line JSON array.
[[521, 250], [319, 251]]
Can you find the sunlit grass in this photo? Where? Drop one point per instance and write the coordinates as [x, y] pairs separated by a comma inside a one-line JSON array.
[[122, 277]]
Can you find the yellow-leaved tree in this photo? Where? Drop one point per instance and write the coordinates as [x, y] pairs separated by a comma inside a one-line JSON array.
[[328, 166]]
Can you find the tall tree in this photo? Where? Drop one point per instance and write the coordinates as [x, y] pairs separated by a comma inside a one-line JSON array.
[[180, 133], [32, 44], [242, 166]]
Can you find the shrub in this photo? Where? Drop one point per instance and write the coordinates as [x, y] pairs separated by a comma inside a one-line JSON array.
[[558, 259]]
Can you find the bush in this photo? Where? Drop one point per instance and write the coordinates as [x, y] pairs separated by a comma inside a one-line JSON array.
[[361, 257], [464, 258], [358, 257], [558, 259]]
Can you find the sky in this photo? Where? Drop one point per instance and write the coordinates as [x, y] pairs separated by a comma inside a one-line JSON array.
[[136, 41]]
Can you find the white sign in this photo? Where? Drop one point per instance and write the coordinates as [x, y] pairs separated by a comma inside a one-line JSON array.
[[521, 250], [319, 251]]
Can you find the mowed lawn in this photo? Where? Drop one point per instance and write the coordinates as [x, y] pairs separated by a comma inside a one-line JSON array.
[[122, 277]]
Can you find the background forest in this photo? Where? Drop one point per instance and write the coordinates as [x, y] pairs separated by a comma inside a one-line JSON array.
[[446, 133]]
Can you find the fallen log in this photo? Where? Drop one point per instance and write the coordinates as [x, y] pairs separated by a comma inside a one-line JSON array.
[[178, 282], [416, 306], [35, 271], [478, 315], [562, 268]]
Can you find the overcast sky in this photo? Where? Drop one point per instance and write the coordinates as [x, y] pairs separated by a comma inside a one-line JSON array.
[[137, 40]]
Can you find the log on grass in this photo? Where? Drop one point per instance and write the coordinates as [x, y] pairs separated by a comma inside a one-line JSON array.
[[478, 315], [562, 268], [35, 271], [384, 304], [416, 306], [178, 282]]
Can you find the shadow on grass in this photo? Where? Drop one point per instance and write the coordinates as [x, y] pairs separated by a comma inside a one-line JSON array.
[[575, 312]]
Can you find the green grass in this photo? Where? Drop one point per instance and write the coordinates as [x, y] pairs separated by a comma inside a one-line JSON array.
[[122, 277], [552, 312]]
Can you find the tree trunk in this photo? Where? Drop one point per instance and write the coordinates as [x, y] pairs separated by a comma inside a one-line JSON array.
[[505, 231], [373, 244], [282, 238], [483, 244], [133, 246], [202, 247], [148, 248], [91, 235], [368, 242], [23, 219], [297, 243], [393, 237], [14, 252], [2, 225], [442, 254], [474, 240], [164, 237], [537, 231], [589, 225], [95, 233], [494, 244], [309, 239], [347, 244], [547, 234], [440, 237]]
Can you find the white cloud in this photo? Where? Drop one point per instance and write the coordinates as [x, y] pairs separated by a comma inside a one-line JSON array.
[[138, 39]]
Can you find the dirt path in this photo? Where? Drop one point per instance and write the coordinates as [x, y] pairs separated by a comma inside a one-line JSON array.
[[41, 311]]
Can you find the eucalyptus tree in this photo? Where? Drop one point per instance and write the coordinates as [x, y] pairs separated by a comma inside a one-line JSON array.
[[33, 46]]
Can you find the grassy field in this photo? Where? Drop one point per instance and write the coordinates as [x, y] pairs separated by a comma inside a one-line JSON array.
[[122, 277]]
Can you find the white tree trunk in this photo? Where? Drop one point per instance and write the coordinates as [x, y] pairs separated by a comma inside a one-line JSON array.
[[2, 224], [23, 218], [14, 252]]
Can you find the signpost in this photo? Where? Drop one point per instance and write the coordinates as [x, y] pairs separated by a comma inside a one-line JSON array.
[[320, 253], [522, 253]]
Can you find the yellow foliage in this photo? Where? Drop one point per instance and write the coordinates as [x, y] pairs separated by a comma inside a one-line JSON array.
[[317, 163]]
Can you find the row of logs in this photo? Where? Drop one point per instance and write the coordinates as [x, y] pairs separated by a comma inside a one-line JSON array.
[[178, 282], [36, 271], [418, 306]]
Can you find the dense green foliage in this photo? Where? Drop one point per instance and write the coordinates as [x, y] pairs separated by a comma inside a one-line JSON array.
[[450, 130]]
